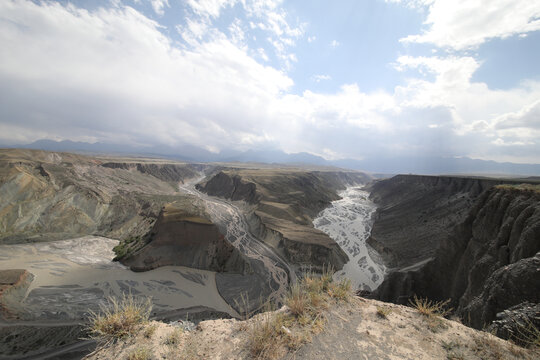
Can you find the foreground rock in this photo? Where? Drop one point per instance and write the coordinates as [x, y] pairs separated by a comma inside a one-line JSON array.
[[13, 286], [350, 331], [486, 261], [281, 205]]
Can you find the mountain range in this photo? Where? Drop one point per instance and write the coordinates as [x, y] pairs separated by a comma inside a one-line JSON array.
[[380, 165]]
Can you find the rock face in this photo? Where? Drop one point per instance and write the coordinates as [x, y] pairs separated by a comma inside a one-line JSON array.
[[184, 239], [281, 206], [415, 213], [165, 172], [13, 286], [486, 263], [51, 196]]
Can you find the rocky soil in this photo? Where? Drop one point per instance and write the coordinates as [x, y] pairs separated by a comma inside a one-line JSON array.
[[354, 330]]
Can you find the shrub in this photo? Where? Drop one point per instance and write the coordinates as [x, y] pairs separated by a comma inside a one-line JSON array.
[[119, 318]]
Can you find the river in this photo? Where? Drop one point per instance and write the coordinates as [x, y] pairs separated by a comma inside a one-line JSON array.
[[74, 276], [348, 221]]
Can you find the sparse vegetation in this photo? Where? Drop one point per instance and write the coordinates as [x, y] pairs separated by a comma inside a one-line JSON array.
[[430, 308], [174, 337], [141, 353], [528, 335], [149, 331], [119, 318], [383, 311], [306, 301], [487, 348], [522, 187]]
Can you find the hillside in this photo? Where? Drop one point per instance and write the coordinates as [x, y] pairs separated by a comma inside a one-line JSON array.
[[471, 240], [351, 330]]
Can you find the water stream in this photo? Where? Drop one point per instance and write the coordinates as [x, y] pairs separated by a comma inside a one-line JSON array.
[[348, 221]]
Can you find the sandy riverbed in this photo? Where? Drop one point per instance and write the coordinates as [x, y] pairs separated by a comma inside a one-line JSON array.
[[73, 276]]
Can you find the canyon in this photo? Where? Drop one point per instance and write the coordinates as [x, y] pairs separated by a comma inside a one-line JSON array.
[[218, 240]]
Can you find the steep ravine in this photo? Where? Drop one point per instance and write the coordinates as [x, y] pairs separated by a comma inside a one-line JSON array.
[[281, 205], [486, 260]]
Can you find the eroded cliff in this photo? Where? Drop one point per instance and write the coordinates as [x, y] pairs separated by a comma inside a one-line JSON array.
[[186, 238], [486, 261]]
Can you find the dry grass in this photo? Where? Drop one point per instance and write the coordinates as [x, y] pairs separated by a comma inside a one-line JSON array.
[[528, 335], [487, 348], [119, 318], [266, 337], [174, 337], [383, 312], [140, 353], [430, 308], [306, 300], [149, 331], [522, 187]]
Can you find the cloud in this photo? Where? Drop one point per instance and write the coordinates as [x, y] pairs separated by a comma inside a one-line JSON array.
[[463, 24], [334, 43], [319, 78], [209, 8], [111, 74], [159, 5]]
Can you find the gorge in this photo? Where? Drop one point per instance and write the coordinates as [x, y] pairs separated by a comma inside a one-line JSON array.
[[220, 240]]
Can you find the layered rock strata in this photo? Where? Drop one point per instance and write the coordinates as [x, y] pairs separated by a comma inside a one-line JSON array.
[[185, 239]]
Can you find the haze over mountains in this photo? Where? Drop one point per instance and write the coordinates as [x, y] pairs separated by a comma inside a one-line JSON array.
[[383, 165]]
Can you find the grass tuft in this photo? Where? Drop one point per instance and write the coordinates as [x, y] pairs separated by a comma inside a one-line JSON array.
[[141, 353], [528, 335], [119, 318], [306, 301], [430, 308], [174, 337], [149, 331], [383, 312]]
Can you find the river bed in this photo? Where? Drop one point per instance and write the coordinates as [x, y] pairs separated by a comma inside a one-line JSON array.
[[73, 276], [348, 221]]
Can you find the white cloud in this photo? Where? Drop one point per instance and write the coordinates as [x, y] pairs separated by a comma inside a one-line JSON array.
[[334, 43], [462, 24], [110, 74], [209, 8], [311, 39], [112, 71], [319, 78], [159, 5]]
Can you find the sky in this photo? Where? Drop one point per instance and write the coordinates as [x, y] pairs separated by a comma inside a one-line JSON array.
[[340, 79]]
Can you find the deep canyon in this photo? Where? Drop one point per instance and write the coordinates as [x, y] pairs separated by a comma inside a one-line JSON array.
[[219, 240]]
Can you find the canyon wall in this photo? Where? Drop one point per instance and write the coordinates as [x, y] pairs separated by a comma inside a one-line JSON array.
[[484, 257]]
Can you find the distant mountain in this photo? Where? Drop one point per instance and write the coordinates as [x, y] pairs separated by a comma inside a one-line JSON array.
[[381, 165], [439, 165]]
